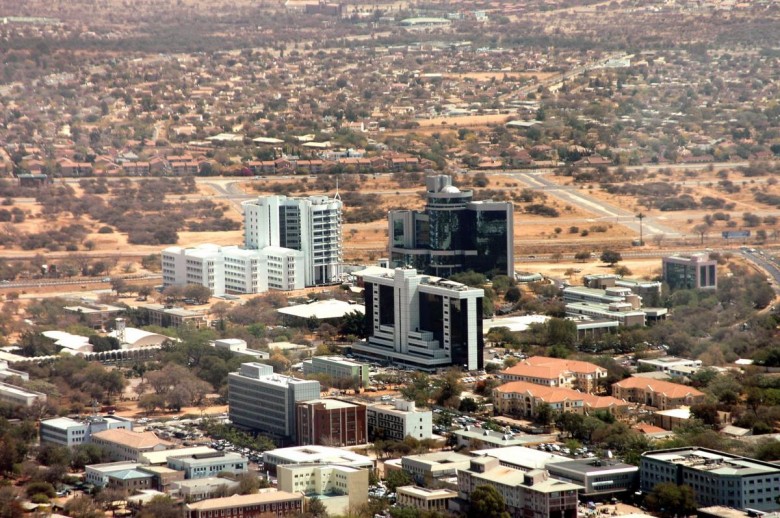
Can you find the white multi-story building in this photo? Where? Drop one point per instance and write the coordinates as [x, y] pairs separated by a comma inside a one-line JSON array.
[[201, 465], [717, 478], [310, 225], [422, 321], [264, 401], [398, 419], [69, 432], [17, 396]]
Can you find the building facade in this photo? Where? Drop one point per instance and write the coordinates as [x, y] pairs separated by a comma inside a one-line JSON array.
[[269, 504], [17, 396], [338, 487], [424, 499], [202, 465], [311, 225], [263, 401], [126, 445], [521, 398], [716, 478], [398, 420], [660, 394], [422, 321], [531, 494], [693, 272], [69, 432], [314, 455], [598, 477], [453, 233], [337, 367], [556, 372], [330, 422]]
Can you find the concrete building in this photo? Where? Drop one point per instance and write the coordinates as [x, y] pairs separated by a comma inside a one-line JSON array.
[[692, 272], [202, 465], [398, 420], [331, 311], [521, 458], [261, 505], [599, 478], [717, 478], [164, 316], [126, 445], [312, 455], [337, 487], [330, 422], [672, 418], [616, 303], [261, 400], [478, 438], [453, 233], [428, 467], [531, 494], [424, 322], [523, 399], [70, 432], [198, 489], [16, 396], [309, 225], [671, 365], [8, 372], [160, 458], [424, 499], [660, 394], [556, 372], [97, 474], [337, 367]]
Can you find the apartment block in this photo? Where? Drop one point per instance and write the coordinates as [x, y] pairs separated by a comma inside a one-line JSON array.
[[556, 372], [521, 398], [263, 401], [717, 478], [397, 420], [422, 321], [663, 395]]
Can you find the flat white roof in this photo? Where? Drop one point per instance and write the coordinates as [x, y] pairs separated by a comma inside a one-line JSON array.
[[318, 455], [161, 457], [323, 309], [522, 456], [513, 323]]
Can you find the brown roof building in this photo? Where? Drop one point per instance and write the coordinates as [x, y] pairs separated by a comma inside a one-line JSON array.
[[124, 444], [330, 422], [662, 395], [556, 372], [261, 505], [523, 399]]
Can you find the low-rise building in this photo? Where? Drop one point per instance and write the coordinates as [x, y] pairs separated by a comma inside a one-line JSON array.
[[197, 489], [675, 367], [556, 372], [479, 438], [97, 474], [523, 399], [201, 465], [160, 458], [434, 466], [337, 487], [121, 444], [130, 480], [314, 455], [330, 422], [70, 432], [337, 367], [660, 394], [521, 458], [717, 478], [672, 418], [164, 316], [260, 505], [8, 372], [598, 477], [397, 420], [531, 494], [18, 396], [424, 498]]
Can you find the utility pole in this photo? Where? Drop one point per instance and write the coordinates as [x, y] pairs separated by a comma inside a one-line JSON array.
[[641, 240]]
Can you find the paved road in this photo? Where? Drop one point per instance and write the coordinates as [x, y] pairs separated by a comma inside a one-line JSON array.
[[767, 262], [40, 283], [574, 196]]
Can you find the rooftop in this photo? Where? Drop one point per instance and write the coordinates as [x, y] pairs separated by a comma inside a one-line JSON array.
[[136, 440], [242, 500], [673, 390], [520, 456], [330, 404], [713, 461], [424, 492], [323, 309], [161, 457], [315, 454]]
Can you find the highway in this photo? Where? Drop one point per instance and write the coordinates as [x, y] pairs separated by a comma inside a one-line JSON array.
[[41, 283]]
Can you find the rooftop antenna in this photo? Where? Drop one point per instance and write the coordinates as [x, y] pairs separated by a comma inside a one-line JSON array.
[[337, 196]]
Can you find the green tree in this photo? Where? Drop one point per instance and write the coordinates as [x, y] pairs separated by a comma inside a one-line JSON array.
[[487, 502], [161, 507], [544, 413], [316, 509], [669, 499], [610, 257], [398, 478]]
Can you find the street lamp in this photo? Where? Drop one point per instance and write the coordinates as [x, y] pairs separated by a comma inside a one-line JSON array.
[[641, 217]]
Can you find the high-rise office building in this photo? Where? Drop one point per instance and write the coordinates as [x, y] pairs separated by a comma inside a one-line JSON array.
[[311, 225], [453, 233], [263, 401], [422, 321]]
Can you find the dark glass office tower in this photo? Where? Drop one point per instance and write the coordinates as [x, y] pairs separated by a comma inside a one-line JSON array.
[[453, 233]]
